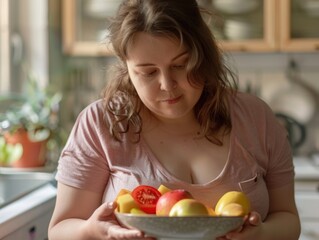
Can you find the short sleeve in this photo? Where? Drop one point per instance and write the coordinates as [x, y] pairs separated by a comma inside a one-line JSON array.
[[83, 162], [280, 164]]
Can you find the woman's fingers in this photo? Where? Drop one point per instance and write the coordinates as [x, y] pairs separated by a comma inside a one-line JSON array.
[[105, 210], [119, 232], [254, 219]]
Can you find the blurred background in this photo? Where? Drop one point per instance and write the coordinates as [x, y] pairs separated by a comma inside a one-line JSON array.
[[60, 47]]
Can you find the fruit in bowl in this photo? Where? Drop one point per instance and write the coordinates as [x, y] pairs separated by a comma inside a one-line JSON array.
[[179, 215], [188, 207], [169, 199], [233, 203], [179, 202]]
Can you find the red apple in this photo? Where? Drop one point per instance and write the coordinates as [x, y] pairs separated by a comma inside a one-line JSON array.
[[168, 200]]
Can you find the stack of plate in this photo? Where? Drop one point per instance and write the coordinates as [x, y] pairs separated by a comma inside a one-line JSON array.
[[238, 29], [236, 6]]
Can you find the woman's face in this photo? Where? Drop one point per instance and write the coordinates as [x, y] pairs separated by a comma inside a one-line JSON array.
[[157, 68]]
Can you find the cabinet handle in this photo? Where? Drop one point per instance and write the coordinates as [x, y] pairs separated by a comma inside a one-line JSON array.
[[32, 232]]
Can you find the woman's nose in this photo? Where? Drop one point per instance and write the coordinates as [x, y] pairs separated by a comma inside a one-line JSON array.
[[167, 82]]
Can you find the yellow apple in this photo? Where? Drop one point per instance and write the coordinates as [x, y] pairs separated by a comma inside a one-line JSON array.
[[188, 207]]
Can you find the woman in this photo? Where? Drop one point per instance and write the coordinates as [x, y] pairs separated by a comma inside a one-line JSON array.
[[172, 116]]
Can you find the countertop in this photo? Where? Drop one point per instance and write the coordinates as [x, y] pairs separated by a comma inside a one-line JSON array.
[[29, 207], [306, 168]]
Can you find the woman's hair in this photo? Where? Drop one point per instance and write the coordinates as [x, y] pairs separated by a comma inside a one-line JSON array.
[[181, 20]]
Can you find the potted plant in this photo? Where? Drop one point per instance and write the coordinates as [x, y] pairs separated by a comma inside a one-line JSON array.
[[32, 121]]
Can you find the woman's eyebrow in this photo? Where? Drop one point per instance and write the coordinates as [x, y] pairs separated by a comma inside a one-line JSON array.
[[180, 55], [151, 64]]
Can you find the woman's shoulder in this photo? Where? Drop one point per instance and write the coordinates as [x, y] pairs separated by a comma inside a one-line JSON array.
[[246, 102], [93, 115], [95, 110], [97, 106]]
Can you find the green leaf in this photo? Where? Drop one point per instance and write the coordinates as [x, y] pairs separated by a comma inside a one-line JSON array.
[[15, 152]]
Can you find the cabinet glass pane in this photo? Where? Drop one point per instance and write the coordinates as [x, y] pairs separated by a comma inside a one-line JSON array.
[[235, 20], [305, 19], [92, 18]]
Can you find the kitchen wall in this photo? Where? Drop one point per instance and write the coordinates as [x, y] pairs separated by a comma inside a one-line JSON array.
[[267, 76]]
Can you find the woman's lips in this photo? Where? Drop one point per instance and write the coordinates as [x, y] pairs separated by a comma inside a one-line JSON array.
[[172, 100]]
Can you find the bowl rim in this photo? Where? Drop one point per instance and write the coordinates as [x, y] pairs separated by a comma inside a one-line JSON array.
[[174, 217]]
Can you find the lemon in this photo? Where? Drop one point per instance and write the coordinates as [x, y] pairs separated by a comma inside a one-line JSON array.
[[233, 197], [233, 210]]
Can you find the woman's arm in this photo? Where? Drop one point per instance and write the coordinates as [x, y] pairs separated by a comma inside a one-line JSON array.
[[282, 222], [78, 215]]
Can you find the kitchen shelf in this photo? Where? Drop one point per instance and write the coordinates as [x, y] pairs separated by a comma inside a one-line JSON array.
[[79, 30], [298, 29], [82, 33]]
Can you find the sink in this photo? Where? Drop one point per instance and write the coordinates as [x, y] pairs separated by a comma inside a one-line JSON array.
[[15, 186]]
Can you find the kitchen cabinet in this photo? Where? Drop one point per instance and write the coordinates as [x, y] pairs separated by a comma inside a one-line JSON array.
[[243, 28], [299, 29], [270, 26], [84, 25], [29, 216], [35, 229], [307, 197], [307, 204]]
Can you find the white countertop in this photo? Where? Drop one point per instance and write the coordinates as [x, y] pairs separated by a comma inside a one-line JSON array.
[[20, 212], [306, 168]]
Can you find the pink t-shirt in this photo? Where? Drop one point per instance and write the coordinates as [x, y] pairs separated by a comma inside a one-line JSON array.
[[259, 158]]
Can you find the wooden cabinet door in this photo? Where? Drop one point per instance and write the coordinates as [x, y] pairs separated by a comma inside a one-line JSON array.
[[266, 41], [84, 28], [285, 25], [299, 26]]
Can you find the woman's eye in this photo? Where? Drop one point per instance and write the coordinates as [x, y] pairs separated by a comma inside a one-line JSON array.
[[179, 66], [149, 74]]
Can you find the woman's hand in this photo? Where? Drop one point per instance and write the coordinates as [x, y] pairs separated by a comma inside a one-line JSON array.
[[104, 225], [250, 230]]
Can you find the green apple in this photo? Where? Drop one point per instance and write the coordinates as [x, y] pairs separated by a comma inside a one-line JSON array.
[[188, 207]]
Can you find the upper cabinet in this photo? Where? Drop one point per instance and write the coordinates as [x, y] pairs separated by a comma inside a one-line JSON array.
[[243, 25], [239, 25], [299, 25], [84, 24]]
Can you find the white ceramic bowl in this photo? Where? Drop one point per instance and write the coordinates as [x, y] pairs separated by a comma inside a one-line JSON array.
[[235, 6], [240, 29], [205, 227]]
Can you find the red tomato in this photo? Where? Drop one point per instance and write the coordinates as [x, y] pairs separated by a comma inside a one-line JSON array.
[[146, 197]]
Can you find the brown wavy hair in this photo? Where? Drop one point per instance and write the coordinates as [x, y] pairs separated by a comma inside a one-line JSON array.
[[181, 20]]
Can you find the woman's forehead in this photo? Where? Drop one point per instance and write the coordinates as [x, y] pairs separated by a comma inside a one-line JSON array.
[[147, 46]]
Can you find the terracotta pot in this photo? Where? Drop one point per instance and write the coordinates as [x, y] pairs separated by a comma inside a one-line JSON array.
[[34, 153]]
